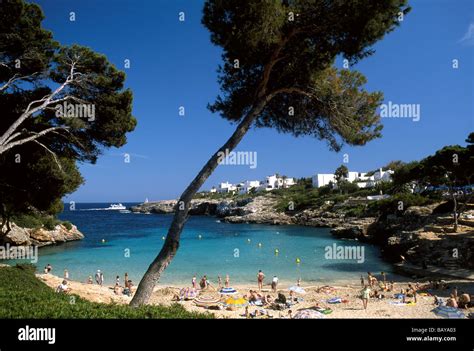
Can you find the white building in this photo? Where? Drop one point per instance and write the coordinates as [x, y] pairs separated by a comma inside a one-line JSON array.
[[276, 182], [226, 187], [320, 180], [248, 185], [270, 183], [361, 179]]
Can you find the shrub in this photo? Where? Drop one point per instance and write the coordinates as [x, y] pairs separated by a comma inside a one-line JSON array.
[[67, 225], [22, 295], [391, 205]]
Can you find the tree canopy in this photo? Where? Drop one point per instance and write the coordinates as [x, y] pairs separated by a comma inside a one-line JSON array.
[[289, 48], [39, 147]]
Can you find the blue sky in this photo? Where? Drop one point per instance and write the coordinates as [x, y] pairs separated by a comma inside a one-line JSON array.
[[174, 64]]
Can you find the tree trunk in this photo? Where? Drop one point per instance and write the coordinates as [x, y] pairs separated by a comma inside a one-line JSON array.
[[455, 212], [171, 244]]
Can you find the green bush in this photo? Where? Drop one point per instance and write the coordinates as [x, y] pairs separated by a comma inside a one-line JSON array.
[[356, 211], [392, 204], [34, 221], [22, 295], [67, 225]]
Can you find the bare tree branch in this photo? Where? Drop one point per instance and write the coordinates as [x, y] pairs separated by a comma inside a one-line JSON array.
[[15, 78], [30, 110], [4, 148], [51, 152]]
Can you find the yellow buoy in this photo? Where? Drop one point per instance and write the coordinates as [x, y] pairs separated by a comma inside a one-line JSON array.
[[248, 240], [200, 236], [163, 238], [259, 244], [277, 251], [103, 241], [298, 261]]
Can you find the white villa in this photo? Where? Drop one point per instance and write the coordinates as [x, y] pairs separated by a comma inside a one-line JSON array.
[[361, 179], [270, 183], [245, 187], [276, 182], [225, 187]]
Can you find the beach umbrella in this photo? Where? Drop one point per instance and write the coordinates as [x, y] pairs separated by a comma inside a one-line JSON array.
[[187, 294], [228, 291], [308, 314], [448, 312], [297, 289], [232, 302], [207, 300]]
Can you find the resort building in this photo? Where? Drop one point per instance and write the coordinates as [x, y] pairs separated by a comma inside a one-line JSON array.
[[226, 187], [361, 179], [276, 182], [270, 183], [248, 185]]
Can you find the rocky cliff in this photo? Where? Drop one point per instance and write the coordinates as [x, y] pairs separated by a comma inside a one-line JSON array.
[[419, 235], [19, 236]]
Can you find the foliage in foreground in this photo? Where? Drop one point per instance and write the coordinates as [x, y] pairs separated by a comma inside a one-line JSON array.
[[22, 295]]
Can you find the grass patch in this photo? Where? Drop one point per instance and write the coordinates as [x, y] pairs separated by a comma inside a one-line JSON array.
[[22, 295]]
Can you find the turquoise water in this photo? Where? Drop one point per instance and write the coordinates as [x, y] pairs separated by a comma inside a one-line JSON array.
[[133, 240]]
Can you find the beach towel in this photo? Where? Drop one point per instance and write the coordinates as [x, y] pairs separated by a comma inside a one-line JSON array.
[[335, 300]]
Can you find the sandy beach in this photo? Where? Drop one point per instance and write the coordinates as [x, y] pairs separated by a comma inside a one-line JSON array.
[[377, 308]]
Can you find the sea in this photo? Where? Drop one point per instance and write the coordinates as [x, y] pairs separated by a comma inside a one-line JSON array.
[[119, 243]]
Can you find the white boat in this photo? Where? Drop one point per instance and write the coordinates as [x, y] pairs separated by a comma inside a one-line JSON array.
[[118, 206]]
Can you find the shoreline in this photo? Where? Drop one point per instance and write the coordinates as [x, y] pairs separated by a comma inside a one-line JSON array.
[[377, 308]]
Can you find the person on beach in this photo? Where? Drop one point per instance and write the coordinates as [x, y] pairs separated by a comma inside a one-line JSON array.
[[194, 282], [298, 282], [63, 288], [274, 283], [99, 277], [219, 282], [128, 289], [45, 270], [89, 280], [117, 280], [268, 300], [412, 291], [364, 295], [66, 274], [203, 283], [452, 302], [49, 268], [260, 278], [371, 279], [227, 280], [125, 281], [117, 289], [464, 300], [362, 283]]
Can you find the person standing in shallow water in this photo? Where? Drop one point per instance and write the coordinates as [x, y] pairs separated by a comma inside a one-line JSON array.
[[260, 278], [227, 280], [99, 277]]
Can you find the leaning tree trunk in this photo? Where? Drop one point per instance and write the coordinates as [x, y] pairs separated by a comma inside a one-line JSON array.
[[455, 212], [171, 244]]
